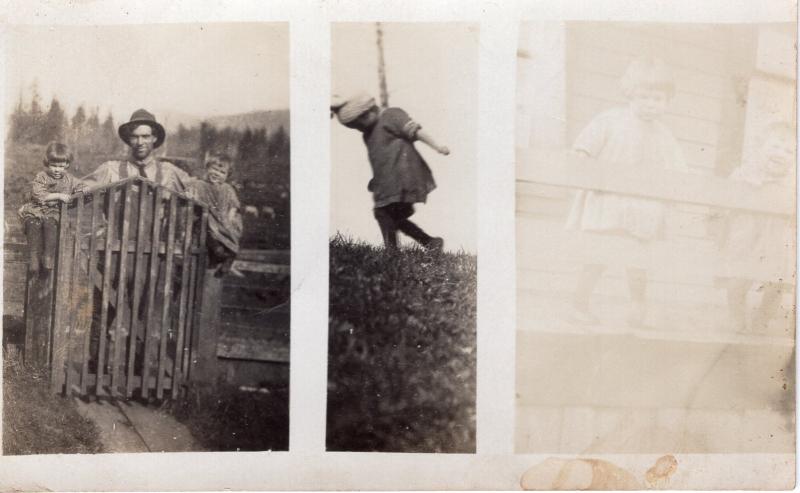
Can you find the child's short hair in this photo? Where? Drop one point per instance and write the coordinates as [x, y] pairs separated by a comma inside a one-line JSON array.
[[219, 159], [647, 73], [57, 152]]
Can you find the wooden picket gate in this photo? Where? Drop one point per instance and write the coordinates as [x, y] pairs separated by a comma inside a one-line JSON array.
[[120, 311]]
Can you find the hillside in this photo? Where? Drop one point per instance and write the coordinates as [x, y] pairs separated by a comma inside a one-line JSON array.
[[401, 350]]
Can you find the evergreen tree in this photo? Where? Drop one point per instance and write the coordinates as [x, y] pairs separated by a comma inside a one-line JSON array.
[[79, 119], [109, 134], [54, 123], [19, 120], [93, 123]]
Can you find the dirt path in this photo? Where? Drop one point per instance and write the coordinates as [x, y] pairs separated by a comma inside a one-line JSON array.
[[132, 427]]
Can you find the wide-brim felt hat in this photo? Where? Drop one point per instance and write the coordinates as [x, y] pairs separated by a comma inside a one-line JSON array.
[[142, 117]]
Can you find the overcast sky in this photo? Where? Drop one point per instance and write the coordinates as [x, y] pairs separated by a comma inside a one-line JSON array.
[[195, 69], [432, 73]]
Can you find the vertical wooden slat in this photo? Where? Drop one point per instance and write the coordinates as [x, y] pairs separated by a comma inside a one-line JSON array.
[[138, 284], [200, 269], [60, 324], [183, 296], [74, 294], [152, 279], [90, 268], [187, 336], [122, 304], [111, 199], [204, 355], [30, 289], [165, 305]]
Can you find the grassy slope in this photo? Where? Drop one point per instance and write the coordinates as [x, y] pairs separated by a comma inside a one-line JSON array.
[[37, 421], [401, 350]]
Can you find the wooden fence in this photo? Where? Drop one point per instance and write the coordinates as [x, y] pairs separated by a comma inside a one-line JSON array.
[[122, 308], [687, 382]]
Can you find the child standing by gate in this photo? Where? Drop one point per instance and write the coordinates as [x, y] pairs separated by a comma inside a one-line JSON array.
[[41, 214], [401, 177], [634, 135], [225, 220], [769, 240]]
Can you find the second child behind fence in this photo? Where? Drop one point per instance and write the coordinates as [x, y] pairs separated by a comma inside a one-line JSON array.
[[40, 215], [764, 238], [401, 177], [225, 220]]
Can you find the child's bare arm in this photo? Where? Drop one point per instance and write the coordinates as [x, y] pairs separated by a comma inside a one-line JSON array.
[[427, 139], [63, 197]]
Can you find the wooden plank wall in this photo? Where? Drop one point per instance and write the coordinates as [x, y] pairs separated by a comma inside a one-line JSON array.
[[612, 389], [253, 334]]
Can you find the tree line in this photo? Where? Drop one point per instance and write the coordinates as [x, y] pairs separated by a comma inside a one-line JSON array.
[[260, 174]]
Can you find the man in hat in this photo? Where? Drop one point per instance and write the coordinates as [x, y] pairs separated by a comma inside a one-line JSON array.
[[143, 134]]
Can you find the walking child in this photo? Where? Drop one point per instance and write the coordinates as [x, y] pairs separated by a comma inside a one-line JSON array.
[[40, 215], [632, 134], [400, 176], [225, 220], [770, 239]]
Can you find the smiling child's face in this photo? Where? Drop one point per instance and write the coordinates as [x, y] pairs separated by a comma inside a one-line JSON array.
[[56, 169], [649, 104], [217, 174]]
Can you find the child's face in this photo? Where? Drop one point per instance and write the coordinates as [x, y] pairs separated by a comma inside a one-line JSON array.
[[56, 169], [365, 121], [778, 155], [217, 174], [649, 104]]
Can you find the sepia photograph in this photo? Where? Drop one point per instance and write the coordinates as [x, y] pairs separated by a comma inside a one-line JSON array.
[[656, 225], [403, 266], [146, 267]]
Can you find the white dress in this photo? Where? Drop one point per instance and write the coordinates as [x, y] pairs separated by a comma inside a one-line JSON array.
[[617, 135]]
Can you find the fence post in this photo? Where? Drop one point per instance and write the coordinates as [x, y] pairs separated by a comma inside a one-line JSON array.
[[204, 359], [38, 317]]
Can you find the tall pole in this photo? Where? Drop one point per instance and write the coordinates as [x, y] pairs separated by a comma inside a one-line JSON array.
[[381, 67]]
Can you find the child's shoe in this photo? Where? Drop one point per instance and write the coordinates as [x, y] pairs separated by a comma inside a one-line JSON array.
[[435, 244]]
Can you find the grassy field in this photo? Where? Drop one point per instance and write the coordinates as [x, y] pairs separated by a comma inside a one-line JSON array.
[[401, 365], [36, 420]]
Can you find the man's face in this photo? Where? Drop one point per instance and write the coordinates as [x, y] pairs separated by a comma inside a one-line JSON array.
[[142, 141]]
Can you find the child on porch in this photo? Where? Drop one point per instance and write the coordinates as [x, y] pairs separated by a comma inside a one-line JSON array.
[[401, 177], [769, 239], [634, 135], [41, 214], [225, 221]]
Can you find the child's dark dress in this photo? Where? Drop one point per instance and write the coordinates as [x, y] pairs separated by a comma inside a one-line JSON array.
[[399, 172], [224, 222], [400, 177]]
